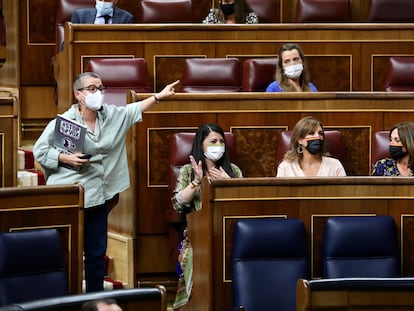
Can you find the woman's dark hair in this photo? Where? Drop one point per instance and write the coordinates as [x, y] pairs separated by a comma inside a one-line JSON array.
[[280, 72], [241, 10], [406, 134], [197, 149]]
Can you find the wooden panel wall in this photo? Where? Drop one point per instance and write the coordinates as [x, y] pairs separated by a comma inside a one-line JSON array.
[[343, 57], [312, 200]]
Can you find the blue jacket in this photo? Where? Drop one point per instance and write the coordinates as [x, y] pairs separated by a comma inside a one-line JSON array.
[[87, 16], [275, 87]]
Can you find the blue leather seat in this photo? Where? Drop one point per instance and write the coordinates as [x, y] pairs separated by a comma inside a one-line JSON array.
[[360, 246], [268, 257], [32, 266], [128, 299]]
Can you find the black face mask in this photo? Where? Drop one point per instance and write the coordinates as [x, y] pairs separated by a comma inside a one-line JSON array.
[[227, 9], [396, 152], [315, 146]]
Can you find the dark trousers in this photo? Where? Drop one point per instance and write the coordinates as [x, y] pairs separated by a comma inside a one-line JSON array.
[[95, 242]]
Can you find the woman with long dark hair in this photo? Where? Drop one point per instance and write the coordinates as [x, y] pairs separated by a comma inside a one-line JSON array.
[[209, 157]]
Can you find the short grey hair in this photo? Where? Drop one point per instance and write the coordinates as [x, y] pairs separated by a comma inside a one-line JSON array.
[[78, 82]]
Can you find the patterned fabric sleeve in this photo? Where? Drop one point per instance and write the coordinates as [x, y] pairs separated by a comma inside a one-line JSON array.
[[385, 167], [252, 18], [183, 180], [211, 18]]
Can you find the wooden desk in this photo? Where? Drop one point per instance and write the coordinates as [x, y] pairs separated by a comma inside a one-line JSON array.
[[311, 199], [355, 294], [57, 207], [342, 57]]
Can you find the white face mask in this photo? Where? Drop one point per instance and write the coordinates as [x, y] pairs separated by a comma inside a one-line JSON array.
[[94, 100], [104, 8], [214, 152], [293, 71]]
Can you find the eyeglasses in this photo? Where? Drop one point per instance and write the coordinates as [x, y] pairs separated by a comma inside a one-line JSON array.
[[93, 88]]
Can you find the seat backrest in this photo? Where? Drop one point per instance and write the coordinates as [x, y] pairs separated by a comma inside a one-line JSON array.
[[266, 10], [32, 266], [128, 299], [328, 11], [269, 255], [380, 146], [333, 140], [165, 11], [120, 75], [258, 73], [65, 9], [400, 74], [360, 246], [220, 75], [391, 11]]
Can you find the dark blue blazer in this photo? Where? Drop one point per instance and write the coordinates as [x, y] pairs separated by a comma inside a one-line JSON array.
[[87, 16]]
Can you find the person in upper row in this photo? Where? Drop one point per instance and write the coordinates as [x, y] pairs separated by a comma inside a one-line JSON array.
[[105, 12], [306, 156], [401, 149], [232, 12], [209, 157], [292, 73]]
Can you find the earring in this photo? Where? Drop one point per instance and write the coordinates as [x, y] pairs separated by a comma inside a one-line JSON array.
[[299, 148]]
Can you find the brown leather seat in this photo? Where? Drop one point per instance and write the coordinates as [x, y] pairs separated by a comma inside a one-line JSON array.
[[380, 146], [65, 9], [120, 75], [267, 10], [180, 149], [400, 74], [212, 75], [165, 11], [258, 73], [323, 11], [391, 11], [333, 140]]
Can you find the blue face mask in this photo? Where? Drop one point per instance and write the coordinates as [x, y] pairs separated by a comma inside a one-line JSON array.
[[104, 8]]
